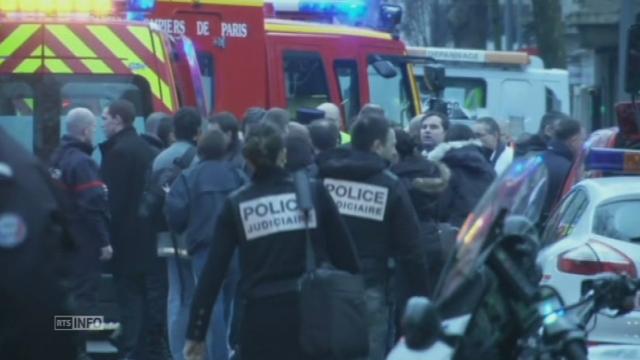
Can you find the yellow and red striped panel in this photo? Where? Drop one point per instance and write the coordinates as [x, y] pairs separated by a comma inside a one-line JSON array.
[[89, 49]]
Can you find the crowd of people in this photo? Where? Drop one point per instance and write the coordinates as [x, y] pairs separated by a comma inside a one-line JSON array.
[[205, 248]]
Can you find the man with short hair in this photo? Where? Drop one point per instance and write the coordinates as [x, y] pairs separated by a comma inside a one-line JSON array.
[[565, 144], [230, 127], [86, 207], [158, 129], [187, 124], [324, 135], [191, 209], [332, 113], [126, 158], [279, 117], [299, 149], [378, 212], [539, 142], [434, 126], [500, 155]]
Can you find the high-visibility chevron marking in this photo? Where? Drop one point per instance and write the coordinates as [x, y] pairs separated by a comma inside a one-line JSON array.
[[57, 66], [122, 51], [28, 66], [97, 66], [37, 51], [17, 38], [117, 46], [47, 52], [101, 50], [71, 41], [54, 65], [157, 44], [143, 34], [79, 48], [167, 92]]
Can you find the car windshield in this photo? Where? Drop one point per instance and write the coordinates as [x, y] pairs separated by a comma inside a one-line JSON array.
[[618, 220], [519, 191], [33, 108]]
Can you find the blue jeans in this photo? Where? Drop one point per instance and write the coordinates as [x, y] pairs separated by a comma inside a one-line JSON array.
[[179, 306]]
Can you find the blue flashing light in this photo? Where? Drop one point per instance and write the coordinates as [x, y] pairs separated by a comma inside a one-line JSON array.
[[141, 5], [352, 9], [136, 16], [551, 311], [613, 160]]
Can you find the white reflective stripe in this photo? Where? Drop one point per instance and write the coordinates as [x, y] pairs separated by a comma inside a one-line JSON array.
[[358, 199], [273, 214]]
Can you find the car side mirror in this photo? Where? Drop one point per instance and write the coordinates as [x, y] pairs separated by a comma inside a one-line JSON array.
[[384, 68], [420, 323]]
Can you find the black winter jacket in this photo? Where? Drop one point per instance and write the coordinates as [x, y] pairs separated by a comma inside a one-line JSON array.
[[558, 159], [376, 207], [262, 220], [426, 180], [87, 207], [471, 175], [31, 242], [126, 158]]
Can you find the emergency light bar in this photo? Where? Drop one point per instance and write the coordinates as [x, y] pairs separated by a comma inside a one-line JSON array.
[[350, 8], [56, 7], [613, 160], [73, 7]]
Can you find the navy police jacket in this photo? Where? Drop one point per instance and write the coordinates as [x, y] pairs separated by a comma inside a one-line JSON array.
[[377, 209], [262, 220], [87, 207]]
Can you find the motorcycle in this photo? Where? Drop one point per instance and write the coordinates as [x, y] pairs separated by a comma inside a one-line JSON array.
[[488, 294]]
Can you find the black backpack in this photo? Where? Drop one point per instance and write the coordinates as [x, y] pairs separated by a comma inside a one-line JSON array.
[[157, 185]]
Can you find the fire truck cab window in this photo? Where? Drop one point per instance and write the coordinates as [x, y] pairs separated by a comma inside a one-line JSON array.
[[16, 110], [305, 80], [393, 94], [33, 108], [347, 74]]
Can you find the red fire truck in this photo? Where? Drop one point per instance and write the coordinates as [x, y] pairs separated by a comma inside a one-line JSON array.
[[250, 56]]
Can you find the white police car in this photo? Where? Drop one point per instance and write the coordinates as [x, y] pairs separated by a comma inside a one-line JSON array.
[[596, 229]]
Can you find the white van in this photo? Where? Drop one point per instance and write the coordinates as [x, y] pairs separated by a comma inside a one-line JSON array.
[[512, 87]]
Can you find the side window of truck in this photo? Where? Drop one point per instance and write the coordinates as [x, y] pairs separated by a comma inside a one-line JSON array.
[[16, 110], [347, 74], [470, 93], [305, 80]]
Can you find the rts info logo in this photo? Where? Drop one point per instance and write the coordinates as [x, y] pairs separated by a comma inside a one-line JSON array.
[[78, 323]]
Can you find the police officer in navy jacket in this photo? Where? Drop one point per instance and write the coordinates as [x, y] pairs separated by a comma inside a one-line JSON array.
[[377, 209], [262, 220]]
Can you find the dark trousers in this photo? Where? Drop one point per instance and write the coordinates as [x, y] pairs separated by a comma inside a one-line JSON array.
[[84, 292], [142, 301], [269, 329]]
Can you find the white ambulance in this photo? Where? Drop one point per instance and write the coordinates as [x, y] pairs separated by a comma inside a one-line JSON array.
[[512, 87]]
